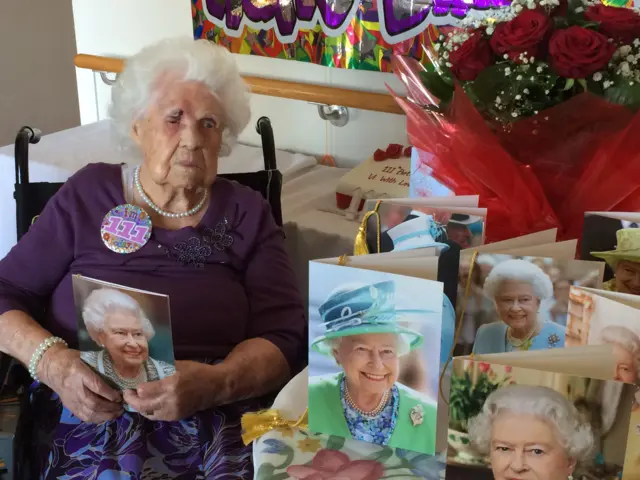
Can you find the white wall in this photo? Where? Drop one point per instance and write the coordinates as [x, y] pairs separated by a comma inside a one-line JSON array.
[[37, 82], [122, 27]]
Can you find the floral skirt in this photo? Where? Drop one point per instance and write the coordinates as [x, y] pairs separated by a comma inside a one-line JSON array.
[[206, 446]]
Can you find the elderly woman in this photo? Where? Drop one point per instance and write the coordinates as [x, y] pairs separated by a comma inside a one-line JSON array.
[[116, 322], [624, 261], [626, 350], [531, 432], [518, 288], [364, 401], [169, 225]]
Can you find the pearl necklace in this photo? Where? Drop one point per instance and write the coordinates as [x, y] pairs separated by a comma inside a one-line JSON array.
[[125, 383], [131, 383], [160, 211], [373, 413], [517, 342]]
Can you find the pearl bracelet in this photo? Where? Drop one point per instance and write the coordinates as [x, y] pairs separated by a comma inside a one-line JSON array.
[[40, 351]]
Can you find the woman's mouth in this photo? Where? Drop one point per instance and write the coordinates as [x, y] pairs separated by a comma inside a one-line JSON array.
[[373, 377]]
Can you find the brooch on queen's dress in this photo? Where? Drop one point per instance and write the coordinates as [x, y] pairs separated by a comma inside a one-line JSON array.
[[553, 340], [195, 251]]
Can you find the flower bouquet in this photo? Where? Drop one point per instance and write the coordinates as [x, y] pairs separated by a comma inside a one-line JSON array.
[[532, 107]]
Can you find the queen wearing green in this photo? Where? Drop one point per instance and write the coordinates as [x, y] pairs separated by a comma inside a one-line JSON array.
[[364, 333]]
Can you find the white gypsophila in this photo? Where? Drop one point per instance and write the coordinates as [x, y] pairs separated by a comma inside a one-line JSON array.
[[624, 65], [500, 15]]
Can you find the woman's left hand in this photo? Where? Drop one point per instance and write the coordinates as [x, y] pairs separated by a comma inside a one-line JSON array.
[[191, 389]]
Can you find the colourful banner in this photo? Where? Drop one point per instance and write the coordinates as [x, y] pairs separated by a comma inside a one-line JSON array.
[[355, 34]]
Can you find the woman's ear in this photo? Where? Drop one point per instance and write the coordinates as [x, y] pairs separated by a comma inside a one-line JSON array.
[[135, 132], [99, 338], [336, 357]]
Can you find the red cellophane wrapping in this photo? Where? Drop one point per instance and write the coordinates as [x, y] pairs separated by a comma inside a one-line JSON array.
[[542, 172]]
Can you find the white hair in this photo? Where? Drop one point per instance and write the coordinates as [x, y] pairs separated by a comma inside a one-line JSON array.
[[623, 336], [574, 434], [521, 271], [104, 301], [200, 61]]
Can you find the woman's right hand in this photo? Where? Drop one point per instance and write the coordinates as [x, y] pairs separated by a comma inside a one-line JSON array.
[[80, 389]]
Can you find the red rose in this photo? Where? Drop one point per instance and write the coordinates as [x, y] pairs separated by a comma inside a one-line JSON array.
[[622, 24], [525, 34], [407, 152], [394, 150], [484, 367], [471, 57], [380, 155], [578, 52]]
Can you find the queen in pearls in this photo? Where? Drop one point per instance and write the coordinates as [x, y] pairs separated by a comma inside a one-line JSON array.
[[531, 432], [115, 321], [519, 290], [364, 401]]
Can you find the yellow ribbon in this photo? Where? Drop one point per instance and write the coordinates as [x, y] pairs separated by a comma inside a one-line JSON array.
[[256, 424], [360, 244]]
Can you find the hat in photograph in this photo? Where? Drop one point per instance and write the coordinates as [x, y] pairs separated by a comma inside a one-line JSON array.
[[627, 248], [420, 231], [464, 219], [359, 310]]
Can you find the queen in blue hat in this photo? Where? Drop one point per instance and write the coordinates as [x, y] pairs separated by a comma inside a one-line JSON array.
[[366, 335]]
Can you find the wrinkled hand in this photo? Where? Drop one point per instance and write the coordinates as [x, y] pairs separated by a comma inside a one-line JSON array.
[[191, 389], [80, 389]]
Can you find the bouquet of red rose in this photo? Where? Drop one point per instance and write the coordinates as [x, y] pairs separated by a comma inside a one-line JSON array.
[[533, 107]]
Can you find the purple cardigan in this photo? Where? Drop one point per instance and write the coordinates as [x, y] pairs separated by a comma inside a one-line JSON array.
[[229, 279]]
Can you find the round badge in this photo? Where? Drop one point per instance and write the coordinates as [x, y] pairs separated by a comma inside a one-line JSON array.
[[126, 229]]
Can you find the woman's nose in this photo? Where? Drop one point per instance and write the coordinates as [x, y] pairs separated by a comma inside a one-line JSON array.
[[515, 305], [192, 137], [375, 359], [517, 461]]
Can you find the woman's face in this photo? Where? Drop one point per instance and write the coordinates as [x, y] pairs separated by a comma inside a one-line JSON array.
[[124, 339], [628, 277], [517, 304], [181, 134], [625, 365], [525, 447], [370, 361]]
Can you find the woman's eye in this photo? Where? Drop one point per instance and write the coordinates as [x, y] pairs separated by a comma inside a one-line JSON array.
[[537, 451], [173, 120], [210, 123], [502, 449]]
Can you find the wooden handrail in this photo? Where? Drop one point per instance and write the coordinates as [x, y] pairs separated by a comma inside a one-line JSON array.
[[306, 92]]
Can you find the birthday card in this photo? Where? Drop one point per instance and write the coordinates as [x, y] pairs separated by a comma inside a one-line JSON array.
[[124, 334]]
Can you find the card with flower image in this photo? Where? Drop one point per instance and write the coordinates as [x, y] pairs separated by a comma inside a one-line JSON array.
[[514, 302], [552, 415], [124, 334], [374, 355]]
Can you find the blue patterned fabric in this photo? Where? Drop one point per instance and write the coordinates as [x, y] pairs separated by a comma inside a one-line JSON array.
[[205, 446], [376, 430]]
